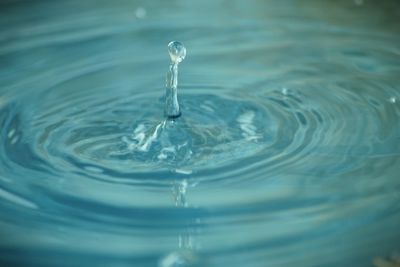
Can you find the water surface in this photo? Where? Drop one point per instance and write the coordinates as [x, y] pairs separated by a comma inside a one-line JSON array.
[[287, 152]]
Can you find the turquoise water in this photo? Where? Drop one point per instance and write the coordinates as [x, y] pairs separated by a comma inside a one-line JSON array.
[[287, 152]]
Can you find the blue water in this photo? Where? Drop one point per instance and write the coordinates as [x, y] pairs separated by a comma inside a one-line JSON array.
[[287, 152]]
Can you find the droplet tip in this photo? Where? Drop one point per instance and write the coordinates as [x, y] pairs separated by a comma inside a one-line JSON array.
[[177, 51]]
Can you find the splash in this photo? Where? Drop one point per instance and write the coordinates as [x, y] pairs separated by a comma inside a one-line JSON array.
[[168, 141]]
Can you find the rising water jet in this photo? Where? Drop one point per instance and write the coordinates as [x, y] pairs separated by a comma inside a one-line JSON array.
[[177, 52]]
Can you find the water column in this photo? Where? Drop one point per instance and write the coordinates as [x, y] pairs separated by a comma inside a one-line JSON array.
[[177, 52]]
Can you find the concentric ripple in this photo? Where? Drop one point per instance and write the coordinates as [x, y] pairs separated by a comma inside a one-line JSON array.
[[287, 152]]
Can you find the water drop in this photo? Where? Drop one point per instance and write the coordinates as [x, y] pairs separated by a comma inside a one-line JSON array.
[[392, 100], [177, 52]]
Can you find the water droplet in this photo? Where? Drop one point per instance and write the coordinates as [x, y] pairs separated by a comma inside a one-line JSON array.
[[140, 13], [284, 91], [392, 100], [177, 51]]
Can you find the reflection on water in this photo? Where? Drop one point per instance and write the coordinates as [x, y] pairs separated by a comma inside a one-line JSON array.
[[287, 152]]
